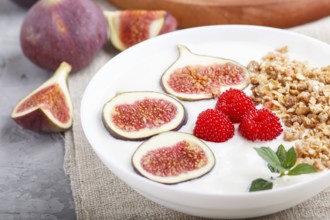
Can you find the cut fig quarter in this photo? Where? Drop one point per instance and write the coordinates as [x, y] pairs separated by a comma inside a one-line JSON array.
[[142, 114], [48, 108], [195, 77], [129, 27], [173, 157]]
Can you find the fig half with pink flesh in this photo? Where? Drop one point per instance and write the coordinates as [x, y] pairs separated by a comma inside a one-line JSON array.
[[173, 157], [142, 114], [129, 27], [195, 77], [48, 108]]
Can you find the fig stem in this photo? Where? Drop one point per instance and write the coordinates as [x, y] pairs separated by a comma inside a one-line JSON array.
[[63, 70], [183, 49]]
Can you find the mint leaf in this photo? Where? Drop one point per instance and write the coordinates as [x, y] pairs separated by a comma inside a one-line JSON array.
[[282, 162], [260, 184], [302, 168], [282, 155], [291, 158], [287, 158], [270, 157], [272, 169]]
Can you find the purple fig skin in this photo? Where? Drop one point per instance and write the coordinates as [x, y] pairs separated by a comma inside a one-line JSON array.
[[170, 24], [25, 3], [54, 31], [39, 122]]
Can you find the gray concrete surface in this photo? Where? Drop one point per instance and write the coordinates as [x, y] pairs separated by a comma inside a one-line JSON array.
[[32, 181]]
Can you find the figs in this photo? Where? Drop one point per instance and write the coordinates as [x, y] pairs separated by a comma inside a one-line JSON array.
[[173, 157], [141, 114], [48, 108], [195, 77], [129, 27], [59, 30]]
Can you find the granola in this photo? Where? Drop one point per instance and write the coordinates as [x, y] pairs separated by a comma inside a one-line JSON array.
[[300, 95]]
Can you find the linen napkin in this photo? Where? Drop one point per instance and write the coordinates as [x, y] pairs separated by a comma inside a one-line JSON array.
[[99, 194]]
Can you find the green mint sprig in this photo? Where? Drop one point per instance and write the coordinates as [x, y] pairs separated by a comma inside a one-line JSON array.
[[260, 184], [282, 162]]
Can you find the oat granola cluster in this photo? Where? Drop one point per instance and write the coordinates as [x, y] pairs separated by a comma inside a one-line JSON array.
[[300, 95]]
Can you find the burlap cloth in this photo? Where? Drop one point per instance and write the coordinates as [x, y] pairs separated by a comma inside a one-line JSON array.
[[98, 194]]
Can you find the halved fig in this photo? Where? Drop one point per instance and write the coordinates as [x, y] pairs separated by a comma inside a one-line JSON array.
[[195, 77], [129, 27], [139, 115], [48, 108], [173, 157]]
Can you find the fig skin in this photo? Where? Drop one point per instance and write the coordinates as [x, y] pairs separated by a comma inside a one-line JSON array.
[[25, 3], [39, 122], [40, 119], [121, 137], [54, 31], [170, 24]]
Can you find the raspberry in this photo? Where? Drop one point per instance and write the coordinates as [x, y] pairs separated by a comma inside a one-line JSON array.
[[213, 125], [260, 125], [234, 103]]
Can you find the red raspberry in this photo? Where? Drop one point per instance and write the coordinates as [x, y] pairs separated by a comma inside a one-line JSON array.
[[260, 125], [234, 103], [213, 125]]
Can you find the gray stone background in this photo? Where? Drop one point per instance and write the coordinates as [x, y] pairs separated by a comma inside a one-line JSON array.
[[32, 180]]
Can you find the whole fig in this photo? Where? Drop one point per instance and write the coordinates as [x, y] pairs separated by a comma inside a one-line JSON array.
[[54, 31]]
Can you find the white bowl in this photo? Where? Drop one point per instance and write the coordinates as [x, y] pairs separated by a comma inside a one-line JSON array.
[[218, 194]]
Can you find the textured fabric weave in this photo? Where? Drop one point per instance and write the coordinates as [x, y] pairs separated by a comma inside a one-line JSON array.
[[98, 194]]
